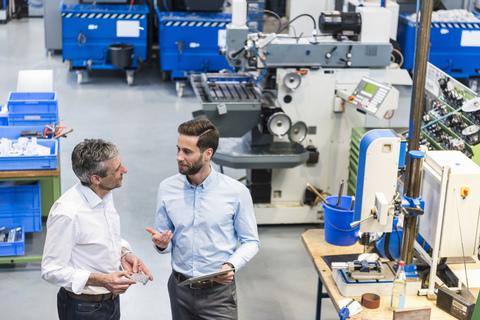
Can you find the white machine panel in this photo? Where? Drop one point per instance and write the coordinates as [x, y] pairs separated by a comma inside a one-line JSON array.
[[463, 173], [380, 174]]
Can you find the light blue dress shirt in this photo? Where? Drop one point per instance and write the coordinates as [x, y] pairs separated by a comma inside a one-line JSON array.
[[208, 222]]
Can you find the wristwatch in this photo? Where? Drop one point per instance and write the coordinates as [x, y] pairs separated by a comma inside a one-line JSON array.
[[231, 265]]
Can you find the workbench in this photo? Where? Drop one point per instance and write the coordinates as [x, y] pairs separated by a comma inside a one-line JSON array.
[[50, 191], [316, 246]]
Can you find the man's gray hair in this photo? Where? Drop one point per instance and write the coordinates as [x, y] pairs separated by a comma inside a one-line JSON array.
[[88, 159]]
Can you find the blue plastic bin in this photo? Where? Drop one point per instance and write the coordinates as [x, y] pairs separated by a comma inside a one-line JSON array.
[[29, 162], [32, 108], [20, 204], [337, 222], [32, 102], [16, 248]]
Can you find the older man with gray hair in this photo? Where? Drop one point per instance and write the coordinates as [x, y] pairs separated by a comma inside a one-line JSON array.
[[84, 254]]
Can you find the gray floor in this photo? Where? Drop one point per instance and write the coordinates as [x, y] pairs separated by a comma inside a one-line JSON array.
[[279, 283]]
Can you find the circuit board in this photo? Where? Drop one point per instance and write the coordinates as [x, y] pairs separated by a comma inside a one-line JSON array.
[[451, 118]]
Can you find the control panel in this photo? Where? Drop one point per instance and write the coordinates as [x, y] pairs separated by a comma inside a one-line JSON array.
[[374, 97]]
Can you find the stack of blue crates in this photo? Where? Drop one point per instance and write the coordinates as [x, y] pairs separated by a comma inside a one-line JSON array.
[[20, 205]]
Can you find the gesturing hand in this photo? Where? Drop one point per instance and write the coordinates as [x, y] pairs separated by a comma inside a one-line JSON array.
[[132, 264], [161, 240]]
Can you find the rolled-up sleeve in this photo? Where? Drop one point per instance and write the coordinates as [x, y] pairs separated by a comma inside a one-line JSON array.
[[60, 240]]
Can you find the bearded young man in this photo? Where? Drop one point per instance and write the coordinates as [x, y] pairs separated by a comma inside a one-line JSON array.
[[201, 217]]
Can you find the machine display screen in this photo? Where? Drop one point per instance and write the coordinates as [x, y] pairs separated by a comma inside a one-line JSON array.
[[370, 88]]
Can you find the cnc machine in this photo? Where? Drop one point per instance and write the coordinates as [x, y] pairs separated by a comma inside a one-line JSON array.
[[284, 116]]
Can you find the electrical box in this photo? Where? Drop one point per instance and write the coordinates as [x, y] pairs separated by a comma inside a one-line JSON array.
[[445, 199]]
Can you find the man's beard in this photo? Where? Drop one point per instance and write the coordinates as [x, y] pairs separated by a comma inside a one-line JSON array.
[[194, 169]]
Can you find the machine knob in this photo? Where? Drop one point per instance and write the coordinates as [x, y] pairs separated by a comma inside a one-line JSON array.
[[348, 63], [349, 53], [328, 55]]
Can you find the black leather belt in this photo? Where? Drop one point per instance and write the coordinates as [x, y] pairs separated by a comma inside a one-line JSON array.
[[91, 297], [196, 286]]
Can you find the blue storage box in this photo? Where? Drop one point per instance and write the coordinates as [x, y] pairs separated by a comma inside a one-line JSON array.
[[16, 248], [32, 102], [32, 108], [453, 47], [29, 162], [20, 204]]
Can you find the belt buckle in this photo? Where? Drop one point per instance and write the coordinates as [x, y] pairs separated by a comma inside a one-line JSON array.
[[191, 285]]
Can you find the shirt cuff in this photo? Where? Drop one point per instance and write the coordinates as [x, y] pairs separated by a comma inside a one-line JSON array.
[[80, 279], [166, 250], [126, 245]]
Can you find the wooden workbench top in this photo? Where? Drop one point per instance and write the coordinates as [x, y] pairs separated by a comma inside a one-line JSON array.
[[29, 173], [314, 241]]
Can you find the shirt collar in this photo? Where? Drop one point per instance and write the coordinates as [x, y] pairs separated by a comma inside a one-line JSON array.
[[92, 198], [211, 177]]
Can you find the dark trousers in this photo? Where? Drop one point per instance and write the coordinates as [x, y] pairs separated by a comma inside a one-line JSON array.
[[73, 309], [206, 304]]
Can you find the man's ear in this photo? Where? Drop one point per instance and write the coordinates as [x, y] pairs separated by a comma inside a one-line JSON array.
[[208, 154], [95, 179]]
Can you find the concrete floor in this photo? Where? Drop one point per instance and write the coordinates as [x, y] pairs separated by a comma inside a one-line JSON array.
[[279, 283]]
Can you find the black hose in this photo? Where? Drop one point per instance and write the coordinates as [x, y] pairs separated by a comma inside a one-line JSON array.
[[302, 15]]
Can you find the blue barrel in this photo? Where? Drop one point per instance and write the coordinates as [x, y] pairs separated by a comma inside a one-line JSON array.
[[337, 222]]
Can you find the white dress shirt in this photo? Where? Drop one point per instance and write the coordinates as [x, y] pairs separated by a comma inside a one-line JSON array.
[[83, 237]]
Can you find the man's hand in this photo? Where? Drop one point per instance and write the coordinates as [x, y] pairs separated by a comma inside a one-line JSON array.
[[132, 264], [161, 240], [224, 278], [112, 281]]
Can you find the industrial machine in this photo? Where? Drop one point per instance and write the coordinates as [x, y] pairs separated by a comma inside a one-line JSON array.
[[190, 34], [442, 195], [104, 36], [285, 115], [439, 217]]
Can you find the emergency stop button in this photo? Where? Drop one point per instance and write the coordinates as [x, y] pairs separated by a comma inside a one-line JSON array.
[[464, 191]]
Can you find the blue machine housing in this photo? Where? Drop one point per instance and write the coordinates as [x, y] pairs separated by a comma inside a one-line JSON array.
[[190, 42], [88, 30], [447, 52]]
